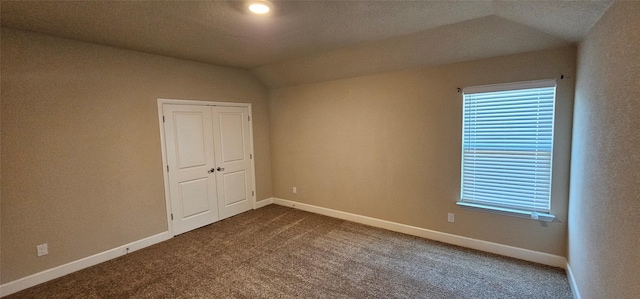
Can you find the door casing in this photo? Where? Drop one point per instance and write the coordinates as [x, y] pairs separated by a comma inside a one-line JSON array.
[[167, 194]]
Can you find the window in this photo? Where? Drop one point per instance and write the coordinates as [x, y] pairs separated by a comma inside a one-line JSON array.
[[507, 148]]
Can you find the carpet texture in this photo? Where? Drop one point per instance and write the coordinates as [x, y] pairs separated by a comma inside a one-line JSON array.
[[279, 252]]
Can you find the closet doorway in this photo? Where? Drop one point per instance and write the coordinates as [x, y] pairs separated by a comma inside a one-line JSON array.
[[208, 158]]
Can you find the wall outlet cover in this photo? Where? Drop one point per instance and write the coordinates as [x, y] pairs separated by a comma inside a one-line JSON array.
[[43, 249]]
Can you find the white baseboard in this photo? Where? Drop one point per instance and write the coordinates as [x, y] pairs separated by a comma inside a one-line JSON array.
[[510, 251], [53, 273], [505, 250], [262, 203], [50, 274], [572, 283]]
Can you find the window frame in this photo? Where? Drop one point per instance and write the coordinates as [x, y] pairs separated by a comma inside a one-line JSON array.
[[523, 213]]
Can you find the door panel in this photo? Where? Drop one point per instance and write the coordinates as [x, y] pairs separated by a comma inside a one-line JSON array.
[[189, 145], [191, 194], [235, 187], [232, 136], [233, 147]]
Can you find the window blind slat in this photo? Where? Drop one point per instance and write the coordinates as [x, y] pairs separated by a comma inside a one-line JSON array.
[[499, 113], [488, 166], [521, 192], [507, 150], [492, 189], [529, 120], [532, 107], [518, 185]]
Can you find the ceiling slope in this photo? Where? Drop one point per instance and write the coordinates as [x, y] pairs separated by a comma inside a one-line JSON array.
[[306, 41], [570, 20], [221, 32], [475, 39]]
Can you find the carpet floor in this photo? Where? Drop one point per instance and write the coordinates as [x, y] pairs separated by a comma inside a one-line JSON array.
[[279, 252]]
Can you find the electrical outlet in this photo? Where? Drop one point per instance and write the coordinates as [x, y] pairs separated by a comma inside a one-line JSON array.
[[450, 217], [43, 249], [295, 190]]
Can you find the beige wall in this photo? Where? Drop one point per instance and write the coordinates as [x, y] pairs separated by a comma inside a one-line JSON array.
[[81, 158], [388, 146], [604, 226]]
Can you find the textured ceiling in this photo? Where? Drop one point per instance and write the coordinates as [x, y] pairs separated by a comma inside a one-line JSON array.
[[221, 32], [470, 40]]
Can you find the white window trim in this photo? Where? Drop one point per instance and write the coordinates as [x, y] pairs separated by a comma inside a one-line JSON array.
[[510, 86], [544, 217]]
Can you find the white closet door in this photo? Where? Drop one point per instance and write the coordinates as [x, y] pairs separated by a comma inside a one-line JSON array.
[[190, 156], [234, 173]]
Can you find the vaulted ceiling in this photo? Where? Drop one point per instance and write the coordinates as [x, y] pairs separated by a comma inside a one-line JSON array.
[[300, 36]]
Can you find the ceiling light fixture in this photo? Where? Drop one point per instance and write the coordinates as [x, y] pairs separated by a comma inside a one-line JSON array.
[[259, 7]]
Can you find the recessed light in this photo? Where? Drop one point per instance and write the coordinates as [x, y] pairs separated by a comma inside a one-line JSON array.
[[259, 7]]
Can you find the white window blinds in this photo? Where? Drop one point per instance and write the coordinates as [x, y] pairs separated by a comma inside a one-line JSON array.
[[507, 146]]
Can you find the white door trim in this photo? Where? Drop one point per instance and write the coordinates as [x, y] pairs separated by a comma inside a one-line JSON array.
[[163, 145]]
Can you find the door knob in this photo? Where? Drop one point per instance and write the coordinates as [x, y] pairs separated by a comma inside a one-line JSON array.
[[219, 169], [211, 170]]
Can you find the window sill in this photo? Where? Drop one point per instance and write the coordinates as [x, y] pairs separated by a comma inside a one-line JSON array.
[[508, 212]]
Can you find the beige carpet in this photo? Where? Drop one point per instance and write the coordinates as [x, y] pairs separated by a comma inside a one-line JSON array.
[[278, 252]]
